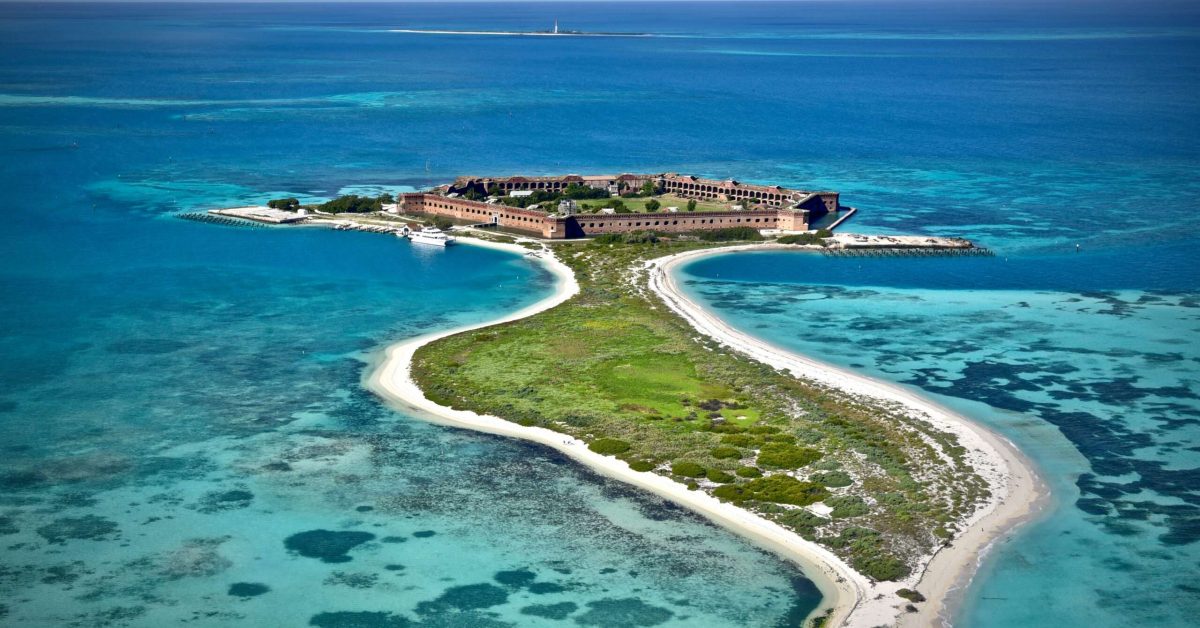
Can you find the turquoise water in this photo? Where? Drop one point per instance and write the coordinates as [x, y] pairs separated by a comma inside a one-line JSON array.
[[1096, 381], [181, 407]]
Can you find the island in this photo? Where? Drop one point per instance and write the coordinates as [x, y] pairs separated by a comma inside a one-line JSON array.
[[886, 499]]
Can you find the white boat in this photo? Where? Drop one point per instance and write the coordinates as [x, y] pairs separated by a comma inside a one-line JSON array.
[[431, 236]]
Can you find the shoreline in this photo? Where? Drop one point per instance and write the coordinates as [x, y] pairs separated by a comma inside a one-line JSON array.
[[1018, 493], [390, 378]]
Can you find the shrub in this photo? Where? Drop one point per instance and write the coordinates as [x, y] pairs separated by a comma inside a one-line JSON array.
[[609, 446], [881, 567], [642, 465], [691, 205], [286, 204], [763, 429], [652, 205], [726, 453], [720, 477], [688, 469], [737, 440], [780, 489], [800, 520], [833, 479], [749, 472], [729, 234], [784, 456], [806, 238], [847, 506], [351, 203], [911, 595], [443, 223]]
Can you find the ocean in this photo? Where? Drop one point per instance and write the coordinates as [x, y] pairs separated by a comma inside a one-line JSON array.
[[185, 433]]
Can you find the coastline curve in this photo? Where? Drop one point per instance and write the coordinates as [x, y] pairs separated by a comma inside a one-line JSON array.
[[842, 589], [1018, 493]]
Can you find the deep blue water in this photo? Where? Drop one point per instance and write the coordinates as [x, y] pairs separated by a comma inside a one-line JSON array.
[[177, 401]]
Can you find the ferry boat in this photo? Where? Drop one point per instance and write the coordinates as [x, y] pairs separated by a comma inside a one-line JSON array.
[[431, 236]]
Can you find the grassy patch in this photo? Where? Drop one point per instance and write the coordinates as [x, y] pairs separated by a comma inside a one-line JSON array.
[[615, 368]]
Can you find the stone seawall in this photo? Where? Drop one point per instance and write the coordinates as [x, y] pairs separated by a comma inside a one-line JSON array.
[[549, 226]]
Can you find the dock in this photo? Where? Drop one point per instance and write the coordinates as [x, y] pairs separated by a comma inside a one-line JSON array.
[[858, 245]]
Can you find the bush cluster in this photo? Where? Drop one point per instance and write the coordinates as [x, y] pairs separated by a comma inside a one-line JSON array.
[[846, 506], [833, 479], [688, 469], [806, 238], [780, 489], [609, 446], [286, 204], [726, 453], [352, 204], [720, 477], [786, 456], [729, 234]]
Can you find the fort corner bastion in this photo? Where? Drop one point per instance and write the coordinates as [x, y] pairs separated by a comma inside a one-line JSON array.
[[764, 206]]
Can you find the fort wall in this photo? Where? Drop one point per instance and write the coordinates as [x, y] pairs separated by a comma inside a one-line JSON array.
[[545, 225]]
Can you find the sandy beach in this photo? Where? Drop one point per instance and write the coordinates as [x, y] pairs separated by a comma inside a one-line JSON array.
[[853, 599], [1018, 494]]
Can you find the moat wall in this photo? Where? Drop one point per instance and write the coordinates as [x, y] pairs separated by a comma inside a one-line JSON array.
[[545, 225]]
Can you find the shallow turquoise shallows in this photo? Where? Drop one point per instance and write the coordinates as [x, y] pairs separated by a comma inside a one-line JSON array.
[[183, 430]]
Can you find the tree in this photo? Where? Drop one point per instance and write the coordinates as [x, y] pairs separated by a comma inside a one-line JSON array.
[[648, 188], [286, 204], [691, 205], [652, 205], [387, 199], [443, 223]]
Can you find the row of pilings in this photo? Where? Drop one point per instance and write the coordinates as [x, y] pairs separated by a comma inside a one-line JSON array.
[[973, 251], [220, 220]]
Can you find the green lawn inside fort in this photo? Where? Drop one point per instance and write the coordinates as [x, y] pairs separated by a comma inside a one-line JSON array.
[[614, 367], [637, 204]]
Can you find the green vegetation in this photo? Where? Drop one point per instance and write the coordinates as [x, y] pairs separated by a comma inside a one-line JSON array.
[[833, 479], [785, 456], [779, 489], [609, 446], [688, 469], [441, 222], [817, 237], [726, 453], [864, 547], [642, 465], [286, 204], [846, 506], [652, 205], [911, 595], [352, 204], [691, 205], [614, 364], [719, 476], [749, 472], [729, 235], [633, 237]]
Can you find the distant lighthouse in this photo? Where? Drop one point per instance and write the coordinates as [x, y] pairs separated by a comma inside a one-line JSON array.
[[555, 26]]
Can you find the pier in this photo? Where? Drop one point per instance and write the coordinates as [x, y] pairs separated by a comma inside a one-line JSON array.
[[220, 220], [909, 252]]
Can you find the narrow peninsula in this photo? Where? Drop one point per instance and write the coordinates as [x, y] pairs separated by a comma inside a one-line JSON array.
[[886, 499]]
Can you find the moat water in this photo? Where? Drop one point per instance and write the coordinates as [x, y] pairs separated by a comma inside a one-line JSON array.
[[184, 432]]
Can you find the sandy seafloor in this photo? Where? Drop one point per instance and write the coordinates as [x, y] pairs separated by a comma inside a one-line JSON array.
[[162, 364]]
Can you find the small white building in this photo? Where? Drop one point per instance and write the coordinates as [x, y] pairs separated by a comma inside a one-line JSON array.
[[672, 209], [521, 193], [607, 210], [567, 207]]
